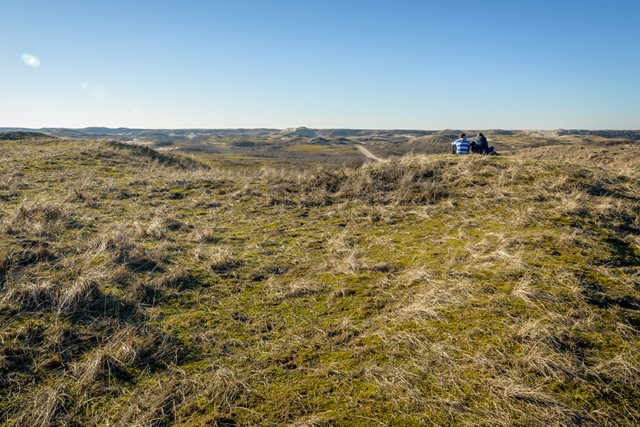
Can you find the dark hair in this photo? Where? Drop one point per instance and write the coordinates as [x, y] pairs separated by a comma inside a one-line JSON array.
[[462, 135], [480, 134]]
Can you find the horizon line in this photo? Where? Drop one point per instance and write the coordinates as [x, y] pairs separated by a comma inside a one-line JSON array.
[[316, 128]]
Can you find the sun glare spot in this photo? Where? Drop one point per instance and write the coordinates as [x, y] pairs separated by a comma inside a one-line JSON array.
[[30, 60]]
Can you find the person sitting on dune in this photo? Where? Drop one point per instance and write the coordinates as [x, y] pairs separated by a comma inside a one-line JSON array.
[[481, 145], [461, 145]]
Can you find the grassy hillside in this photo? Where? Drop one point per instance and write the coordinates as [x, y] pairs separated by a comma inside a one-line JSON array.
[[139, 288]]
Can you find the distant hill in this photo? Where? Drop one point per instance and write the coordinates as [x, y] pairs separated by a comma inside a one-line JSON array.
[[18, 135], [178, 134], [268, 143], [301, 131], [626, 134]]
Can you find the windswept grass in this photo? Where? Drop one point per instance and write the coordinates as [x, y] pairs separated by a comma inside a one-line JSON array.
[[140, 288]]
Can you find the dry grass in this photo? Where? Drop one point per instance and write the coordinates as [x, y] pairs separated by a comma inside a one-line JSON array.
[[139, 288], [38, 219], [47, 407], [279, 291], [128, 348]]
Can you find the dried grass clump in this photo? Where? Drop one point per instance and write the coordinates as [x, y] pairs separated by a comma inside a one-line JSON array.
[[39, 219], [29, 296], [220, 260], [173, 397], [132, 347], [158, 227], [12, 187], [224, 386], [555, 349], [398, 384], [296, 289], [48, 407], [430, 299], [205, 235], [164, 159], [346, 257], [178, 278], [78, 295], [623, 368], [522, 403], [81, 298], [541, 359], [116, 244], [119, 248], [154, 229], [404, 180], [341, 243], [159, 403], [85, 192], [414, 276], [28, 256], [351, 262]]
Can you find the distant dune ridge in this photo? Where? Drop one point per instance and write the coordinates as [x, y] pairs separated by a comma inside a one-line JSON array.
[[18, 135], [307, 132], [268, 277]]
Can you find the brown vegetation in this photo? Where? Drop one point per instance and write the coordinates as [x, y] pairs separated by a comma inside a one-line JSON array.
[[141, 288]]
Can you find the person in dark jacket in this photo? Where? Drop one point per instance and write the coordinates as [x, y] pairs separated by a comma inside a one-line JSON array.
[[481, 145]]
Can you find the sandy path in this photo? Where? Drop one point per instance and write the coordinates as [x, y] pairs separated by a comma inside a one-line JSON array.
[[368, 153]]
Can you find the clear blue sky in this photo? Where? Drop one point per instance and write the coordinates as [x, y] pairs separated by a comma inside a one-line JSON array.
[[325, 64]]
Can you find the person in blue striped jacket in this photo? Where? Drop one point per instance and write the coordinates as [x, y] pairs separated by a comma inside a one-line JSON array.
[[461, 145]]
